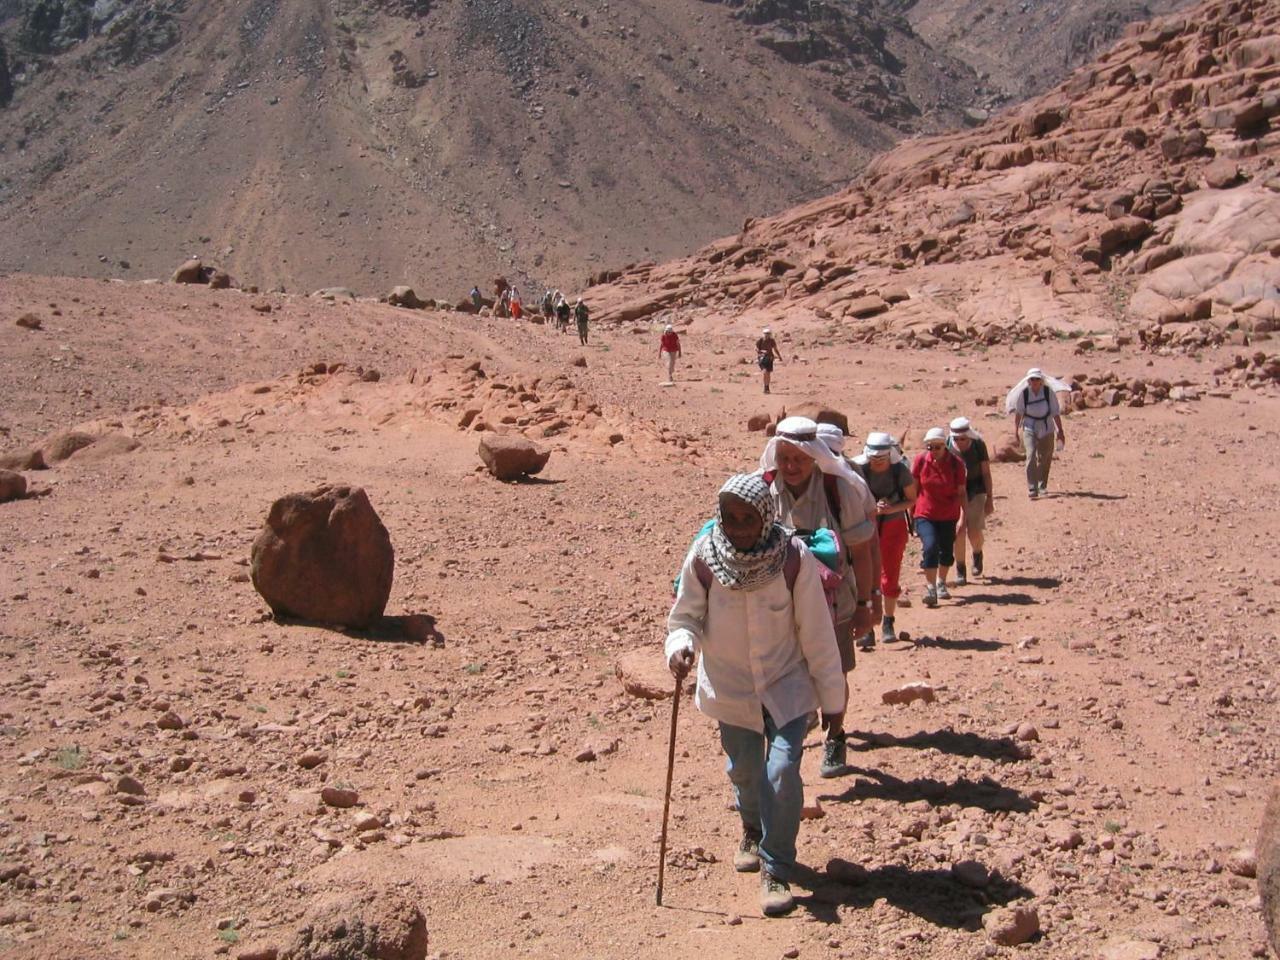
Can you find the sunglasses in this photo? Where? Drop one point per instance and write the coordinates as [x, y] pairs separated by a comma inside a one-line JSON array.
[[934, 446]]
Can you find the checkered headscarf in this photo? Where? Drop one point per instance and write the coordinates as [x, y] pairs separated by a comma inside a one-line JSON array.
[[746, 569]]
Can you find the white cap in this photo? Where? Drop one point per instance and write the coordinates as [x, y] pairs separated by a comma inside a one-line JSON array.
[[767, 330], [935, 433], [960, 425], [668, 328], [880, 441], [1035, 373]]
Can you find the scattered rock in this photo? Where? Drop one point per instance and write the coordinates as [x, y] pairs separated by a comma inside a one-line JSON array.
[[312, 759], [170, 721], [13, 486], [971, 873], [909, 693], [1119, 948], [378, 925], [65, 445], [324, 556], [342, 798], [578, 361], [820, 413], [30, 321], [192, 271], [1026, 732], [128, 785], [1010, 926], [25, 460], [510, 458], [1243, 863], [758, 422], [643, 674], [405, 297]]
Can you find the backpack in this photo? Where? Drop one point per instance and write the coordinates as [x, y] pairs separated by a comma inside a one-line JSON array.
[[831, 581], [1026, 399]]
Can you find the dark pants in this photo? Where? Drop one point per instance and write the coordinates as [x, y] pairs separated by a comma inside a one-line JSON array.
[[938, 541]]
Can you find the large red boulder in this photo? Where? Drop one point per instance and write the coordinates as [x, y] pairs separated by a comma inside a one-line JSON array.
[[378, 925], [324, 556], [13, 486], [1269, 867]]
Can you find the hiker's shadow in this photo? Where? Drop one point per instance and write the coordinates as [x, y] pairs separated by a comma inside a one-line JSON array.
[[1000, 599], [1090, 495], [528, 481], [985, 794], [944, 741], [935, 896], [974, 643], [1040, 583]]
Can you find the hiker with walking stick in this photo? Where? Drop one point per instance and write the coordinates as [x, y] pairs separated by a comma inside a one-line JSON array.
[[750, 602]]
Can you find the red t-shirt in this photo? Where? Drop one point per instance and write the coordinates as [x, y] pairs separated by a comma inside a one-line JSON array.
[[670, 342], [941, 483]]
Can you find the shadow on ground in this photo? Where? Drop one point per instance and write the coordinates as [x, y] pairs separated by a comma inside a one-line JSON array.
[[935, 896], [946, 741], [974, 643], [985, 794], [1090, 495], [1040, 583]]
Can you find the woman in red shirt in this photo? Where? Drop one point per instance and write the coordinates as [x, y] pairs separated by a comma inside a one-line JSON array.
[[669, 349], [940, 476]]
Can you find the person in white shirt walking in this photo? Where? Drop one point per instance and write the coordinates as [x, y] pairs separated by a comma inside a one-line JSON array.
[[750, 606], [1034, 403]]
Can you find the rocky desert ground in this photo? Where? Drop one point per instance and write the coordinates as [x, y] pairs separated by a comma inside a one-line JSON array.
[[1099, 748]]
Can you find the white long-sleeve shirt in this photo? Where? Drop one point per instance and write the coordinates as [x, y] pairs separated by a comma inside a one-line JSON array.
[[769, 648]]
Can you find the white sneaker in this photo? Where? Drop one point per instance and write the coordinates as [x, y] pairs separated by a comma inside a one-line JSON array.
[[943, 592]]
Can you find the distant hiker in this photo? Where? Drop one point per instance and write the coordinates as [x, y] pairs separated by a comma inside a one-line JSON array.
[[1033, 403], [503, 307], [979, 498], [477, 299], [547, 301], [813, 489], [750, 606], [894, 488], [766, 351], [669, 350], [515, 304], [582, 316], [940, 475], [561, 307]]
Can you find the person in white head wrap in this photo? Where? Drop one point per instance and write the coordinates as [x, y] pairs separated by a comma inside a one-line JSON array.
[[750, 604], [1034, 403], [940, 475], [894, 490], [815, 488], [833, 437], [967, 444], [766, 352], [669, 350]]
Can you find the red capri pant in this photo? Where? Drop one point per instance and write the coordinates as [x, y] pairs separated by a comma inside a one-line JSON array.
[[893, 544]]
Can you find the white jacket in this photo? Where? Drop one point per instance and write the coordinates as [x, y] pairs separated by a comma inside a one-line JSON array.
[[765, 648]]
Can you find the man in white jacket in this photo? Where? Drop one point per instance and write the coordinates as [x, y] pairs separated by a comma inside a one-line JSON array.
[[750, 602]]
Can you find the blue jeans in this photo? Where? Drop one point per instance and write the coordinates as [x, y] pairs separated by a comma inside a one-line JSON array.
[[764, 769], [937, 542]]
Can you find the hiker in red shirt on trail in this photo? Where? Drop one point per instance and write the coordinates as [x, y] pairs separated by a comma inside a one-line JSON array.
[[669, 349], [940, 475]]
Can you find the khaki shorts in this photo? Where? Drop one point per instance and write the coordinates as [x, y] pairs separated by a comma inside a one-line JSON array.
[[975, 513]]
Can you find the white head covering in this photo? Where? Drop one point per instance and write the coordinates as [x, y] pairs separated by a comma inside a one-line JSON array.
[[802, 433], [668, 328], [935, 433], [832, 436], [877, 443], [961, 426], [766, 331], [1050, 383]]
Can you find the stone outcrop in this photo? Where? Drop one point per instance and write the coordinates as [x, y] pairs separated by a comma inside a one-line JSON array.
[[13, 486], [510, 458], [1268, 850], [377, 925]]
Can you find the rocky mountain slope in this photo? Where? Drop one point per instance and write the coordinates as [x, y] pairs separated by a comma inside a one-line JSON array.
[[1139, 198], [367, 141], [364, 142]]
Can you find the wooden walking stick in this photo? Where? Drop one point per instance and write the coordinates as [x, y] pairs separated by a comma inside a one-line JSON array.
[[666, 800]]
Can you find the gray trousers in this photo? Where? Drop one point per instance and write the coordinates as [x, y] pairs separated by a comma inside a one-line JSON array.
[[1039, 457]]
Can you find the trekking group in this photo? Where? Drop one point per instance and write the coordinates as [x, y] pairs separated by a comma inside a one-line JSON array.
[[801, 560]]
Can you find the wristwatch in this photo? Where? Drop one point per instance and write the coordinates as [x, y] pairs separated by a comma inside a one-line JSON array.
[[864, 603]]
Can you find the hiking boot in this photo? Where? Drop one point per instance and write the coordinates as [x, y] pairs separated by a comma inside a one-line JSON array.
[[930, 597], [977, 563], [1033, 492], [943, 592], [833, 758], [775, 895], [961, 580], [868, 640], [1044, 489], [747, 857], [887, 634]]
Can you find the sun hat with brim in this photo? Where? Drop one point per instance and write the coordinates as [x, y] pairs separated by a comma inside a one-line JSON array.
[[935, 433]]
